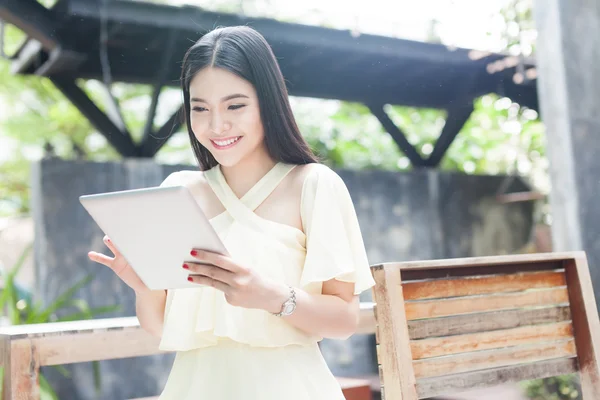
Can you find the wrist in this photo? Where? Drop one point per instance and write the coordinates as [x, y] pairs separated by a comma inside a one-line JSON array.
[[278, 294]]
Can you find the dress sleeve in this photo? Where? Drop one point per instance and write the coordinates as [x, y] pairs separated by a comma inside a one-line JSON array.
[[334, 244]]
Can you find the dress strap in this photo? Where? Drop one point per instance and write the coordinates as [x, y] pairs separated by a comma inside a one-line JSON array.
[[254, 197], [264, 187]]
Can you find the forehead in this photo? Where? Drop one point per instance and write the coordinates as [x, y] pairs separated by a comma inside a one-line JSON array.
[[215, 83]]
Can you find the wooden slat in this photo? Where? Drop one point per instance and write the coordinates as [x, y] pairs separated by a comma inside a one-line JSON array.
[[70, 327], [586, 325], [442, 288], [493, 358], [399, 378], [435, 347], [93, 346], [483, 322], [431, 387], [464, 305], [469, 262], [420, 273]]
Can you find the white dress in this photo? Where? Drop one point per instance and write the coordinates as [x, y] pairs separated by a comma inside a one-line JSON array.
[[226, 352]]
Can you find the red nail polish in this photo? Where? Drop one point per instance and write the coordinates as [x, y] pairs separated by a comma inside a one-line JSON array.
[[193, 252], [185, 266], [190, 278]]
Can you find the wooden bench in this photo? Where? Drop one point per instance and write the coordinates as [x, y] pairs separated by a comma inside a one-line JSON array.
[[450, 325], [26, 348]]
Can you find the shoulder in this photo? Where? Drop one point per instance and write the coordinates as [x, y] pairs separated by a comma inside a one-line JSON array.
[[317, 174], [318, 180]]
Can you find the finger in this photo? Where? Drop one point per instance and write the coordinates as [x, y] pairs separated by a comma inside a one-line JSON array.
[[219, 260], [204, 280], [101, 258], [210, 271], [110, 245]]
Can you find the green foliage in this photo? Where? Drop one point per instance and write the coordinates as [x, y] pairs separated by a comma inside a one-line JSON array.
[[564, 387], [500, 137], [18, 308]]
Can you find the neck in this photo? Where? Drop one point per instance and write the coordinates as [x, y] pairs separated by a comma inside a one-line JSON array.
[[242, 176]]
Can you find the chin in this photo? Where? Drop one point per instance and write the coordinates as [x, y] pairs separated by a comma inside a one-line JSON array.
[[228, 160]]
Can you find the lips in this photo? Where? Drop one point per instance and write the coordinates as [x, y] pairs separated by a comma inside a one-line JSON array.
[[226, 143]]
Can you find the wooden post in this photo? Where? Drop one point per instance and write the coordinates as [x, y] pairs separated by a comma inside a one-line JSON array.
[[5, 365], [21, 363], [397, 378], [586, 326]]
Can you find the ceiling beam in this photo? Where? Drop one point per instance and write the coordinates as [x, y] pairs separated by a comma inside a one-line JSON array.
[[120, 140], [34, 20], [399, 137], [455, 120], [154, 143]]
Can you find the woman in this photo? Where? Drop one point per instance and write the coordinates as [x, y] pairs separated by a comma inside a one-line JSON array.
[[251, 328]]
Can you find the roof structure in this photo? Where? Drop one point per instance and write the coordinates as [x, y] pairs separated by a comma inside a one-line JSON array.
[[144, 43]]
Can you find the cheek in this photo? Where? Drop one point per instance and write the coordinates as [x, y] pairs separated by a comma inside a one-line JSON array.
[[199, 125], [252, 125]]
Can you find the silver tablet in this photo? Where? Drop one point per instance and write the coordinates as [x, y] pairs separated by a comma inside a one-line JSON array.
[[155, 229]]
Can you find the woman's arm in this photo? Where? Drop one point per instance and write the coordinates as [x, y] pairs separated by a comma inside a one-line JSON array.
[[150, 310], [333, 314], [149, 304]]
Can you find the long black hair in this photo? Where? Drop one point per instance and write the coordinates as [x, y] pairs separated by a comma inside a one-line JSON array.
[[244, 52]]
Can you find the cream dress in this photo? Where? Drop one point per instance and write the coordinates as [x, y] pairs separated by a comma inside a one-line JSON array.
[[226, 352]]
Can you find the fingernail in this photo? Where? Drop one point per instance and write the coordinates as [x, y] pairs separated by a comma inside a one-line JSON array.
[[193, 252], [185, 266], [190, 278]]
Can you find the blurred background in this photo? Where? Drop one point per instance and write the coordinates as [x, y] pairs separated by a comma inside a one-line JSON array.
[[431, 111]]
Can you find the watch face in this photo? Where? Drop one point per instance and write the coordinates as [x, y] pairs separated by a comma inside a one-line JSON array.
[[289, 308]]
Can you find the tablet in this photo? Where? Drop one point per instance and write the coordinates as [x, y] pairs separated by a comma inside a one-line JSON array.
[[155, 229]]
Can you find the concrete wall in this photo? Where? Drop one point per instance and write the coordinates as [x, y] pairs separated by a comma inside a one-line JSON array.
[[568, 65], [403, 216]]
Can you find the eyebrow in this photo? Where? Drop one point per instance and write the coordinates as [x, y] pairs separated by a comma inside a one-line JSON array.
[[229, 97]]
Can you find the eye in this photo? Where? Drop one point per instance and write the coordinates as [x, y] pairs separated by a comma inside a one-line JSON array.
[[236, 106], [198, 109]]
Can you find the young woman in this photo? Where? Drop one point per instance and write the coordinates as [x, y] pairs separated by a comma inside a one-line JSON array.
[[298, 263]]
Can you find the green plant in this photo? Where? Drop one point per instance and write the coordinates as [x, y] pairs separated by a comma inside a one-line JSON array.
[[564, 387], [18, 308]]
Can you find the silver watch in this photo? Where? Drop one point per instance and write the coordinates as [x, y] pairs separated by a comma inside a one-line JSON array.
[[289, 305]]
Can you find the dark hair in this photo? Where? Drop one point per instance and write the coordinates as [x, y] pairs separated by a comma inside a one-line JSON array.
[[244, 52]]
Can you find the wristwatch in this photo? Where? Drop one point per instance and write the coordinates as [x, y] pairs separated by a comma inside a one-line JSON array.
[[289, 305]]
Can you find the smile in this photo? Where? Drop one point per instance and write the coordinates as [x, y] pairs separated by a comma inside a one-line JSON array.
[[226, 143]]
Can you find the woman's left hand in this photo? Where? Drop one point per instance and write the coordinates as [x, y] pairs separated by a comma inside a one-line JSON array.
[[241, 285]]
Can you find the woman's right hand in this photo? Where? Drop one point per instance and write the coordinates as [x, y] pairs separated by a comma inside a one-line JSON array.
[[120, 266]]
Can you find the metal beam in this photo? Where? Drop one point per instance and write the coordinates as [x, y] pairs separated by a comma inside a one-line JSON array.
[[455, 120], [153, 144], [120, 140], [33, 19], [398, 136], [161, 77]]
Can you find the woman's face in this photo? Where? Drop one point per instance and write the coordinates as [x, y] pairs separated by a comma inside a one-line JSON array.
[[225, 115]]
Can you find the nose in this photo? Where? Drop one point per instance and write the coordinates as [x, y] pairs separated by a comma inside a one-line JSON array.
[[218, 125]]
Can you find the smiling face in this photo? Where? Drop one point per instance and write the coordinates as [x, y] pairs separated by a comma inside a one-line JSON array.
[[225, 116]]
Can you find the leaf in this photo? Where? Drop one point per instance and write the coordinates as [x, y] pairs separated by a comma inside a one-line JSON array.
[[46, 391], [66, 297], [9, 297], [62, 370], [85, 312]]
